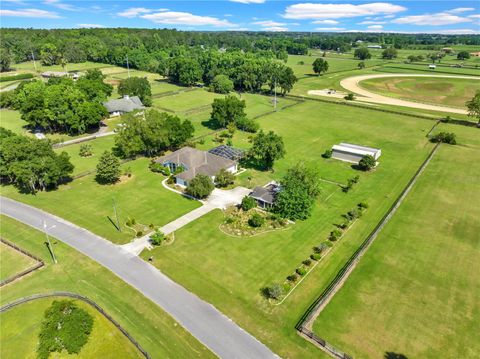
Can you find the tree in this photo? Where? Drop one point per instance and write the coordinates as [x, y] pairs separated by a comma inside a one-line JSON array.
[[267, 148], [274, 292], [248, 203], [444, 137], [157, 237], [286, 79], [361, 65], [5, 59], [200, 186], [349, 97], [367, 163], [389, 53], [227, 110], [224, 178], [463, 55], [108, 169], [319, 66], [473, 107], [222, 84], [184, 71], [49, 55], [136, 86], [362, 53], [85, 150], [299, 190]]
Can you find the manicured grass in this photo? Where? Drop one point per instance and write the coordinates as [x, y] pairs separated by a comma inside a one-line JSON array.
[[186, 101], [71, 67], [161, 86], [90, 205], [230, 272], [445, 91], [12, 261], [20, 327], [415, 292], [156, 332], [11, 120], [423, 68]]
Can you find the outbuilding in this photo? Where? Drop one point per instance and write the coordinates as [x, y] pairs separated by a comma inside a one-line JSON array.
[[354, 153], [123, 105], [265, 196]]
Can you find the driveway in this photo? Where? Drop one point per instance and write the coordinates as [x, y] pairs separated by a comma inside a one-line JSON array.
[[352, 84], [216, 331]]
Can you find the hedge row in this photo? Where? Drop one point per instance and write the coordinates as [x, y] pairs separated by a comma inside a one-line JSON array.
[[16, 77]]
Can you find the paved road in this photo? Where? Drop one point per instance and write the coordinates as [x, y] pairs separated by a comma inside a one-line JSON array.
[[352, 84], [216, 331]]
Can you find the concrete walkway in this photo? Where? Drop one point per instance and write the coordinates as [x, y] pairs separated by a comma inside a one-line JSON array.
[[206, 323]]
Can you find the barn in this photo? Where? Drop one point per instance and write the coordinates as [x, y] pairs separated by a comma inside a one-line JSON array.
[[354, 153]]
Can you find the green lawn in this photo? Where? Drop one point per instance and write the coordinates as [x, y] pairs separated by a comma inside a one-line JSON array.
[[11, 120], [156, 332], [445, 91], [12, 262], [186, 101], [71, 67], [20, 327], [415, 292], [90, 205], [230, 272]]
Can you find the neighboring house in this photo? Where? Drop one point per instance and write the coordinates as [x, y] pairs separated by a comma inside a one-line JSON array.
[[195, 162], [123, 105], [228, 152], [477, 54], [353, 153], [48, 74], [374, 46], [265, 196]]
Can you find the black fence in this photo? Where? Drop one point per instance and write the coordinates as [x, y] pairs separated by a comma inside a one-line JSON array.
[[84, 299]]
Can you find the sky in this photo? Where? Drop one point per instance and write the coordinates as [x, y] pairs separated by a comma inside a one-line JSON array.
[[439, 16]]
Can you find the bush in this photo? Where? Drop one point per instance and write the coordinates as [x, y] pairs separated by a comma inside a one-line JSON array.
[[367, 163], [7, 99], [363, 205], [335, 235], [159, 168], [327, 154], [328, 244], [157, 238], [307, 262], [301, 271], [292, 277], [139, 234], [256, 220], [445, 137], [248, 203], [16, 77], [286, 287], [247, 125], [224, 178], [320, 248], [108, 169], [316, 256], [343, 225], [127, 172], [85, 150], [274, 292], [350, 97], [171, 180], [200, 187], [222, 84], [352, 215]]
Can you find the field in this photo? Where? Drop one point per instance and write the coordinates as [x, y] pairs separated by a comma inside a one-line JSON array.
[[146, 322], [230, 272], [21, 325], [420, 277], [12, 262], [444, 91]]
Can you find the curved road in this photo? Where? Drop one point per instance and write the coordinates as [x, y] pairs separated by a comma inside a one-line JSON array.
[[216, 331], [352, 84]]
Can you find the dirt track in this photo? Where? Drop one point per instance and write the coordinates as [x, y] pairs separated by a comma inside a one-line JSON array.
[[352, 84]]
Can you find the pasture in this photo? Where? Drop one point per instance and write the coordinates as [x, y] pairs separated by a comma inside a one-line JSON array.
[[420, 277], [12, 262]]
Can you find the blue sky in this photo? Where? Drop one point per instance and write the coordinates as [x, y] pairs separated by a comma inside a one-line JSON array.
[[438, 16]]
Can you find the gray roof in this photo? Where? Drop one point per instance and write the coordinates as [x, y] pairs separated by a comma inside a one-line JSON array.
[[126, 104], [228, 152], [267, 193], [196, 162]]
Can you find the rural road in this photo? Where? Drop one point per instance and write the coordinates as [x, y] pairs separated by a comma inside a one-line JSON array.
[[352, 84], [212, 328]]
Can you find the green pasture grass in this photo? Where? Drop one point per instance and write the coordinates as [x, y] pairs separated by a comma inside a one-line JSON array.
[[415, 292], [160, 86], [230, 272], [71, 67], [90, 205], [423, 68], [12, 261], [11, 120], [466, 136], [444, 91], [135, 73], [21, 326], [156, 331], [185, 101]]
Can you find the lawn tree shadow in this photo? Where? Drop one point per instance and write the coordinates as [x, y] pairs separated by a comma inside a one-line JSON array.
[[253, 163], [264, 292], [211, 124], [114, 224], [392, 355]]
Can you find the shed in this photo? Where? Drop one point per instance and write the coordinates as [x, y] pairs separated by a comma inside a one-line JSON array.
[[353, 153], [123, 105], [265, 196]]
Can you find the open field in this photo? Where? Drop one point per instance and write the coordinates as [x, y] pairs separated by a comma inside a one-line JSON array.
[[71, 67], [90, 205], [230, 272], [12, 262], [21, 325], [420, 277], [156, 332], [450, 92], [441, 69]]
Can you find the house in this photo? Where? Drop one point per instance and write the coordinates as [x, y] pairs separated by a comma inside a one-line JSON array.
[[432, 66], [353, 153], [265, 196], [374, 46], [476, 54], [123, 105], [195, 162], [49, 74], [228, 152]]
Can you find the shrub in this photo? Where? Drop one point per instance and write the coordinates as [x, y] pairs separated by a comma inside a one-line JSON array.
[[275, 291], [343, 225], [335, 235], [247, 125], [127, 172], [286, 287], [16, 77], [222, 84], [363, 205], [151, 226], [171, 180], [7, 99], [307, 262], [350, 97], [108, 168], [230, 220], [352, 215], [292, 277], [157, 238], [355, 179], [327, 154], [320, 248], [139, 234], [256, 220], [367, 163], [444, 137], [328, 244], [224, 178], [301, 271], [200, 187], [85, 150], [316, 256], [159, 168], [248, 203]]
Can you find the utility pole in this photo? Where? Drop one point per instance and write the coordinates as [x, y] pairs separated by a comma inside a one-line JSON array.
[[116, 215], [275, 98], [48, 240], [128, 68], [34, 63]]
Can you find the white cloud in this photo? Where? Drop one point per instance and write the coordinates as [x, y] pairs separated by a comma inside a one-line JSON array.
[[239, 29], [325, 22], [90, 26], [269, 23], [441, 18], [375, 27], [185, 18], [459, 10], [333, 11], [459, 32], [134, 11], [60, 5], [372, 22], [330, 29], [389, 16], [249, 1], [30, 13], [476, 16], [275, 28]]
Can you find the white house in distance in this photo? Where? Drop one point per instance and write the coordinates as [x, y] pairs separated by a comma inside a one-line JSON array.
[[126, 104], [353, 153]]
